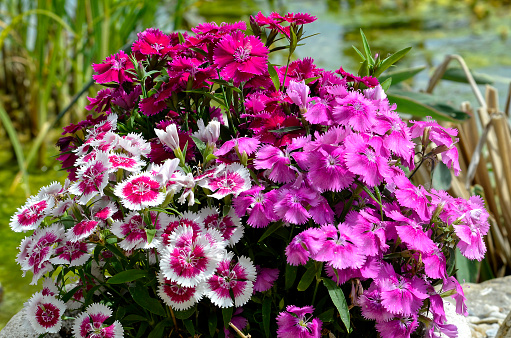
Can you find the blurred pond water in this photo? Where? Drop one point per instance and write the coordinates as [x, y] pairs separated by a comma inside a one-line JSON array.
[[434, 29]]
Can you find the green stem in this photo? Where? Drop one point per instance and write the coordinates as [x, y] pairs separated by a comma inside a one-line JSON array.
[[348, 205]]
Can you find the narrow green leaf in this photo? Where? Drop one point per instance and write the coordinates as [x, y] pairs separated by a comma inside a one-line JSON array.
[[141, 296], [468, 270], [227, 315], [401, 75], [274, 76], [327, 316], [290, 275], [185, 314], [212, 323], [359, 53], [159, 329], [270, 230], [442, 177], [364, 69], [307, 277], [285, 129], [127, 276], [367, 49], [225, 84], [134, 318], [150, 233], [189, 327], [209, 158], [181, 37], [385, 85], [409, 103], [337, 297], [458, 75], [310, 79], [201, 146], [266, 315], [385, 64]]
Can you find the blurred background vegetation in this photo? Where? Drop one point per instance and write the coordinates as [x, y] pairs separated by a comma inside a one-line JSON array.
[[47, 48]]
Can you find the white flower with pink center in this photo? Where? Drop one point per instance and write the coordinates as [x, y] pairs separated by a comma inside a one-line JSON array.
[[103, 212], [139, 191], [190, 257], [44, 313], [107, 142], [228, 179], [53, 190], [231, 277], [166, 173], [30, 216], [133, 230], [229, 226], [135, 144], [177, 296], [91, 323], [73, 253], [41, 249], [61, 207], [81, 230], [188, 218], [128, 163], [92, 178], [49, 287]]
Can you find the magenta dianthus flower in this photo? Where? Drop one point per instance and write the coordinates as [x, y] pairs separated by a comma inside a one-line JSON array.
[[297, 322], [113, 69], [240, 57]]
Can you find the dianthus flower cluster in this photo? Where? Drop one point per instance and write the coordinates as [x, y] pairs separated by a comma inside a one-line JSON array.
[[212, 189]]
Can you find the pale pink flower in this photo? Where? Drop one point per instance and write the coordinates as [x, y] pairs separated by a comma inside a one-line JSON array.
[[208, 134], [177, 296], [232, 277], [139, 191], [44, 313], [169, 136]]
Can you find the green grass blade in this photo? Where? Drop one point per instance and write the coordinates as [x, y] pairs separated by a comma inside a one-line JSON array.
[[367, 49], [13, 137], [391, 60]]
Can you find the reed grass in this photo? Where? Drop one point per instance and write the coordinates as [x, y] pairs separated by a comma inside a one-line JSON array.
[[485, 160], [46, 51]]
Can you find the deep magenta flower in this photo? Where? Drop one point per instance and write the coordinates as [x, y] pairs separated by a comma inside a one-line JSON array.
[[355, 111], [328, 170], [400, 327], [240, 57], [258, 204], [265, 278], [297, 322], [113, 69], [152, 41]]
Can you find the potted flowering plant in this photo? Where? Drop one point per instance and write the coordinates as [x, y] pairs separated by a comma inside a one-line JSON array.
[[216, 194]]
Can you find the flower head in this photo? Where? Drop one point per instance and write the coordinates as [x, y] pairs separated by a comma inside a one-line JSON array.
[[44, 313], [91, 323], [298, 322], [240, 57]]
